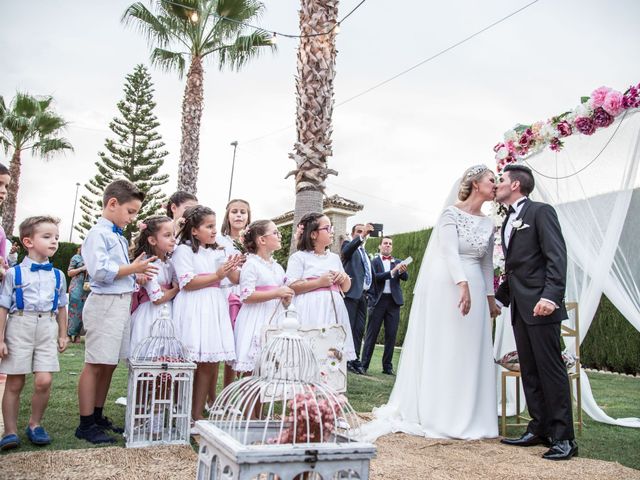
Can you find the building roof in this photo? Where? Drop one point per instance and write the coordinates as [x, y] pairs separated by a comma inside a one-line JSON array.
[[330, 205]]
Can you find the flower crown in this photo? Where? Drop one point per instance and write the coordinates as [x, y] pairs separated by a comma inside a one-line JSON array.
[[475, 170], [141, 226]]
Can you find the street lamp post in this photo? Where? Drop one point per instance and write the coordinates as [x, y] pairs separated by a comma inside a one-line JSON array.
[[233, 164], [73, 216]]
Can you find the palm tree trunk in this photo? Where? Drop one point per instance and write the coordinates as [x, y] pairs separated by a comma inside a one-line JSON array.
[[192, 105], [9, 206], [314, 105]]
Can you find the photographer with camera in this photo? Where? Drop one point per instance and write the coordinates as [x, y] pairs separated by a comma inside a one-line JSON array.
[[358, 266]]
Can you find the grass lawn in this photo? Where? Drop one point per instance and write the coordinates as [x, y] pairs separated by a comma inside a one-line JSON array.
[[619, 396]]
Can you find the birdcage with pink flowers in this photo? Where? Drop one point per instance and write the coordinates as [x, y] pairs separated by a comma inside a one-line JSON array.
[[283, 421]]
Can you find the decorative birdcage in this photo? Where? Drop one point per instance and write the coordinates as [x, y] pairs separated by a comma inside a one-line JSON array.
[[160, 389], [283, 422]]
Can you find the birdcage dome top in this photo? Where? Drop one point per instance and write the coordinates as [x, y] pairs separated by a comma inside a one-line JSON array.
[[285, 401], [161, 345]]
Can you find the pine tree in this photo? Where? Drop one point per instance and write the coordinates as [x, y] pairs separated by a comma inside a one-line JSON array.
[[136, 153]]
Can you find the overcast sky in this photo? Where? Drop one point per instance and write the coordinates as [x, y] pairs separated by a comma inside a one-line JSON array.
[[397, 149]]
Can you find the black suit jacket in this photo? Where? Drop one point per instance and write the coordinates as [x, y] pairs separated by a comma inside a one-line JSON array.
[[535, 264], [380, 277], [352, 262]]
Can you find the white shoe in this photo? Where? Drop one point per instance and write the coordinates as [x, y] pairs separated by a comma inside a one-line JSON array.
[[194, 429]]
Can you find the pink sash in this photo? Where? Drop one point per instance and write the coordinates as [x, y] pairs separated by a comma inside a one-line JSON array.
[[141, 296], [209, 285], [234, 308], [333, 287]]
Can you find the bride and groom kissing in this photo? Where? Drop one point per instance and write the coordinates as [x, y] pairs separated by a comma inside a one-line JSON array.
[[445, 385]]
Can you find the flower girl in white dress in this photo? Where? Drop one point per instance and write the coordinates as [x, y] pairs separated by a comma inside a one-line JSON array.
[[156, 238], [262, 291], [318, 278], [200, 310], [237, 216]]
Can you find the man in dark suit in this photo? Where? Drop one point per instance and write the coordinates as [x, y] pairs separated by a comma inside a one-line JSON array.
[[385, 300], [358, 267], [536, 268]]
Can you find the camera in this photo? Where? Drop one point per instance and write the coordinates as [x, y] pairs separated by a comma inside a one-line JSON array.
[[377, 229]]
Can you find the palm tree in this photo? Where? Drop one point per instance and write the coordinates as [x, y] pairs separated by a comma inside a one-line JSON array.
[[314, 105], [184, 31], [28, 124]]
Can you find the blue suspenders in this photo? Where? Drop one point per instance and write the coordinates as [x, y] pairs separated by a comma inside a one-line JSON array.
[[20, 293]]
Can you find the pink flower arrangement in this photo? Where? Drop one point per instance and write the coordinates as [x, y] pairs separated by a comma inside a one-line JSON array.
[[597, 111], [311, 419]]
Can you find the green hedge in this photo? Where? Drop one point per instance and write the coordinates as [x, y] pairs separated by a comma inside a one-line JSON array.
[[612, 343]]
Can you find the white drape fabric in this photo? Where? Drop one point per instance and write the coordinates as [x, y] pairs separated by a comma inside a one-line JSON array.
[[594, 185]]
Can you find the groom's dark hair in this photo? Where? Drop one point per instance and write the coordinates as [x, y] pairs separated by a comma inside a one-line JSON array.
[[523, 175]]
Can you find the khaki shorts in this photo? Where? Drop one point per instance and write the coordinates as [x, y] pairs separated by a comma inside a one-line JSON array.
[[32, 341], [106, 319]]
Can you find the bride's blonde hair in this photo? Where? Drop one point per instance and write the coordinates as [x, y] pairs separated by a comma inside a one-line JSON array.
[[470, 175]]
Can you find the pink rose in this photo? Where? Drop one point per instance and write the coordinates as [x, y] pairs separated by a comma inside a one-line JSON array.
[[585, 125], [601, 118], [613, 103], [564, 128], [598, 96]]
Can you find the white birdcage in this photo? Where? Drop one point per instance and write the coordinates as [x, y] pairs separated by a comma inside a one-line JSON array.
[[160, 389], [282, 422]]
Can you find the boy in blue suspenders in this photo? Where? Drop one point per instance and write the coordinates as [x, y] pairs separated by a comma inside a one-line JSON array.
[[33, 326]]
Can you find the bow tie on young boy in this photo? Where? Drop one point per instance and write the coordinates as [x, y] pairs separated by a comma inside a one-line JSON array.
[[117, 230], [41, 266], [387, 257]]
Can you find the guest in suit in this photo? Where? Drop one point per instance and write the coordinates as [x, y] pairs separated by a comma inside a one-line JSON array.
[[358, 267], [536, 270], [385, 300]]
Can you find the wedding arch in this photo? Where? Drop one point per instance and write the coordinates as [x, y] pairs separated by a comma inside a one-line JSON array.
[[586, 164]]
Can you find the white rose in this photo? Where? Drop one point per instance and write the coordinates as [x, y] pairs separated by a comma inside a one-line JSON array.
[[548, 131], [502, 153], [511, 135], [583, 110]]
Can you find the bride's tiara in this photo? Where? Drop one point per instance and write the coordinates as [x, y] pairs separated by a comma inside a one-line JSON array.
[[475, 170]]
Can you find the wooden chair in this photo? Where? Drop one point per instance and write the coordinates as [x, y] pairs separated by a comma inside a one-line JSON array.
[[574, 374]]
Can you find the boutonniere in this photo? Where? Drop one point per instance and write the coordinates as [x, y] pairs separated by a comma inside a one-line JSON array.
[[517, 224]]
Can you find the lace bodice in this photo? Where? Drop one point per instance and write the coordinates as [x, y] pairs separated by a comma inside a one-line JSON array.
[[466, 238], [474, 232]]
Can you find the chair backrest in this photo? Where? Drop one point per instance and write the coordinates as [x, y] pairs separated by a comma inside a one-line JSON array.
[[571, 328]]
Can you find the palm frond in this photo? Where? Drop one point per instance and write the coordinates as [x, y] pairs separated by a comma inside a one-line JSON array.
[[25, 105], [48, 122], [147, 23], [47, 147], [244, 49], [168, 60], [3, 108]]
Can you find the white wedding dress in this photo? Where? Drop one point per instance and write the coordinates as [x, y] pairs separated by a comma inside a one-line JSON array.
[[445, 386]]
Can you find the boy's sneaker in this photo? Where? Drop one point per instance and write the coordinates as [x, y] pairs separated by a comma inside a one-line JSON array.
[[94, 434], [38, 435], [105, 423], [9, 441]]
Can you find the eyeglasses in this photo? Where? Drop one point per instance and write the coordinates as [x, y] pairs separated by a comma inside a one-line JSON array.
[[277, 233], [328, 228]]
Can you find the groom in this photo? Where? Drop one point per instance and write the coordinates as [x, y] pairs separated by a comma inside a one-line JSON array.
[[536, 267]]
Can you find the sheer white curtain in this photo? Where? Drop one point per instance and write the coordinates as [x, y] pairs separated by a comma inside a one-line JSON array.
[[594, 184]]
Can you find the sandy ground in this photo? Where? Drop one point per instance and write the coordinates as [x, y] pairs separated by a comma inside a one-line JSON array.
[[399, 457]]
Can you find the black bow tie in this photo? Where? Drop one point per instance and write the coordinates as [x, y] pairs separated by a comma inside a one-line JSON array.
[[511, 209]]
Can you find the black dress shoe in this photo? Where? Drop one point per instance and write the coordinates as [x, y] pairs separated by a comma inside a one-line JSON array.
[[389, 372], [527, 440], [562, 450], [355, 369]]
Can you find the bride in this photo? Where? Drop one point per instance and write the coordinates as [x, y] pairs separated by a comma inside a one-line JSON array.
[[445, 386]]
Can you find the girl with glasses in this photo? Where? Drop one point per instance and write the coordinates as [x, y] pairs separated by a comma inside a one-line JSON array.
[[317, 277]]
